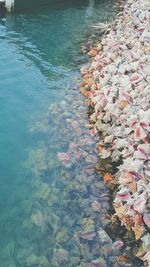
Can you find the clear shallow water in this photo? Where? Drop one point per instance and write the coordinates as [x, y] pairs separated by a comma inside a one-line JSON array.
[[38, 66]]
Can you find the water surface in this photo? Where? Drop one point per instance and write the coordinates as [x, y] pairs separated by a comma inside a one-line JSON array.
[[40, 51]]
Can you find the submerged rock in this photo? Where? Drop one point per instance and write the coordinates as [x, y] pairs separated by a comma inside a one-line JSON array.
[[37, 261], [62, 236], [60, 256], [104, 237]]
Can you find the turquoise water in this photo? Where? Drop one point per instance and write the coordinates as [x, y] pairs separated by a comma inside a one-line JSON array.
[[39, 99]]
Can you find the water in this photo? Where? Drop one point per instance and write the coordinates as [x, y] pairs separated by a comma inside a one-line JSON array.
[[40, 51]]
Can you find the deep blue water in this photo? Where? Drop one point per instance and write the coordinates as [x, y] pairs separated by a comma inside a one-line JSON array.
[[40, 50]]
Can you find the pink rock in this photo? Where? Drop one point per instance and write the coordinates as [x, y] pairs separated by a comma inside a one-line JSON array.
[[141, 29], [126, 96], [88, 236], [123, 196], [90, 170], [146, 169], [117, 245], [99, 263], [133, 123], [78, 155], [96, 206], [105, 197], [139, 134], [144, 151], [135, 78], [139, 204], [93, 131], [88, 141], [91, 159], [84, 71], [136, 176], [61, 256], [146, 218], [126, 178], [144, 125], [63, 156]]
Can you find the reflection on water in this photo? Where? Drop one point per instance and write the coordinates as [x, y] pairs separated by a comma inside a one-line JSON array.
[[47, 174]]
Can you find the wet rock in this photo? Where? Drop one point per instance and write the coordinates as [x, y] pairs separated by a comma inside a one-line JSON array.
[[85, 264], [87, 235], [62, 236], [96, 206], [104, 237], [100, 262], [84, 251], [60, 256], [35, 260], [75, 261]]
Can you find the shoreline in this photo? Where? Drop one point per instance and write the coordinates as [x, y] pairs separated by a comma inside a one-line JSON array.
[[116, 88]]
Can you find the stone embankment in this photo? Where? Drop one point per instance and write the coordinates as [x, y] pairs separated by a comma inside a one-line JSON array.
[[117, 91]]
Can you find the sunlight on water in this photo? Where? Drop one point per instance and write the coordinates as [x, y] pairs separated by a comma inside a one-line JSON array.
[[47, 156]]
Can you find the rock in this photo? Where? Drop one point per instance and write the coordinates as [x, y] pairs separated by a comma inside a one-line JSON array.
[[93, 52], [62, 236], [88, 235], [100, 262], [60, 256], [104, 237], [75, 261]]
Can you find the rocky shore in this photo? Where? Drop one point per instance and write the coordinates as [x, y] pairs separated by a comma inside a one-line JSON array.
[[116, 87]]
